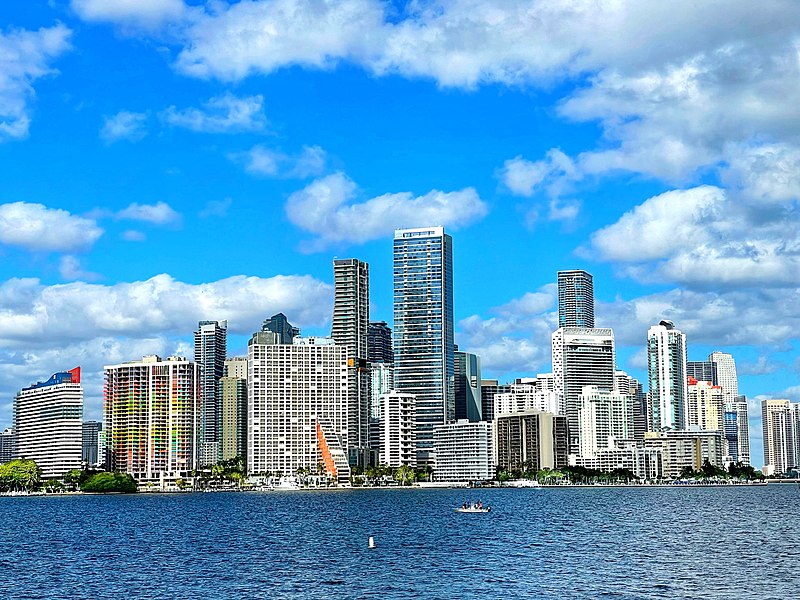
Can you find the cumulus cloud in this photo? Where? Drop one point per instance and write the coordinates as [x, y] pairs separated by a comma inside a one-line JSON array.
[[39, 228], [159, 213], [263, 161], [221, 114], [70, 269], [138, 13], [25, 56], [124, 125], [328, 208]]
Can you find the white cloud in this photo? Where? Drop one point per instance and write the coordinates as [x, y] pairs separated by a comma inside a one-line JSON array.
[[141, 13], [763, 365], [260, 160], [237, 40], [221, 114], [70, 269], [39, 228], [25, 56], [35, 315], [327, 208], [159, 213], [124, 125], [133, 235], [216, 208]]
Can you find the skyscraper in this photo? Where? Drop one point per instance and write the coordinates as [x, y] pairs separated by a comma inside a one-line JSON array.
[[210, 348], [279, 325], [705, 405], [423, 328], [7, 450], [575, 299], [726, 374], [666, 368], [395, 430], [297, 407], [233, 410], [468, 386], [743, 428], [48, 421], [780, 444], [90, 453], [379, 343], [151, 411], [604, 416], [581, 357], [702, 370], [350, 326]]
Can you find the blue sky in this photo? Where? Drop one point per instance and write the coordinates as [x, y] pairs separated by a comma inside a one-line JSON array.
[[163, 162]]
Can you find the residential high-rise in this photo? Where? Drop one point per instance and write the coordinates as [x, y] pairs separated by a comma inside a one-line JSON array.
[[381, 381], [604, 416], [463, 451], [681, 449], [732, 433], [780, 443], [625, 384], [702, 370], [666, 367], [396, 430], [705, 405], [350, 329], [726, 374], [522, 397], [423, 328], [233, 410], [297, 407], [210, 349], [7, 451], [532, 439], [489, 388], [279, 325], [151, 412], [575, 299], [379, 343], [467, 387], [48, 421], [581, 357], [743, 428], [90, 452]]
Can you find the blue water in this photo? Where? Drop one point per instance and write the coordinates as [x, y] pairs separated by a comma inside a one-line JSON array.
[[560, 543]]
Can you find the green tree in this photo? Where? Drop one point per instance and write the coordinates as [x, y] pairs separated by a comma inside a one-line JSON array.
[[20, 474], [405, 475], [104, 483]]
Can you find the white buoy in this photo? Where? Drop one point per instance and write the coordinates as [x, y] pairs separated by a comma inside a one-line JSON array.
[[371, 542]]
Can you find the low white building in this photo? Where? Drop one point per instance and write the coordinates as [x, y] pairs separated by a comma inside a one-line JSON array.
[[687, 448], [394, 431], [463, 451], [645, 463]]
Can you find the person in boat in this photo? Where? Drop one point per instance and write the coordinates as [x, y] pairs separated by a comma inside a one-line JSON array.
[[464, 506]]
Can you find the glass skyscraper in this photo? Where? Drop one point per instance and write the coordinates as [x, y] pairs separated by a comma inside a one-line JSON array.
[[423, 328], [575, 299], [210, 347], [666, 367]]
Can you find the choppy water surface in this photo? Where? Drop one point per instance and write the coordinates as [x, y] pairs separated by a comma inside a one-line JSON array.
[[566, 543]]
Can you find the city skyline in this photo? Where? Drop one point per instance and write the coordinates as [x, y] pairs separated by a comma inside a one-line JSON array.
[[203, 184]]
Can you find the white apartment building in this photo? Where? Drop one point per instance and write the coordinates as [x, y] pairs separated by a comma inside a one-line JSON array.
[[726, 374], [604, 416], [780, 420], [519, 397], [687, 448], [297, 407], [645, 463], [463, 451], [666, 365], [705, 404], [396, 429], [152, 413], [48, 423]]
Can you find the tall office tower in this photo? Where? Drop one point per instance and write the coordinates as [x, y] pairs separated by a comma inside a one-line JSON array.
[[350, 325], [379, 343], [233, 409], [396, 431], [279, 325], [604, 417], [702, 370], [779, 438], [210, 349], [732, 433], [739, 406], [581, 357], [575, 299], [7, 451], [532, 438], [151, 411], [666, 366], [48, 421], [467, 391], [297, 406], [489, 388], [726, 374], [463, 451], [705, 405], [90, 448], [423, 328]]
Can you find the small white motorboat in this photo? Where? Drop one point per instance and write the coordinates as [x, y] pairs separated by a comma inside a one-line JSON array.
[[473, 509]]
